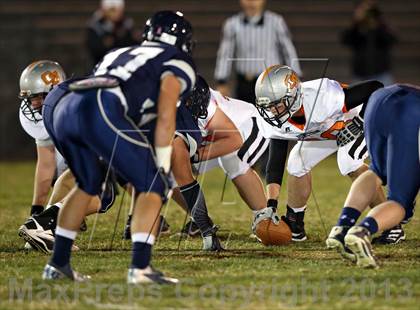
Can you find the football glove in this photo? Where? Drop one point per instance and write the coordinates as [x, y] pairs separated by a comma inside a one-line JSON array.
[[266, 213], [351, 131]]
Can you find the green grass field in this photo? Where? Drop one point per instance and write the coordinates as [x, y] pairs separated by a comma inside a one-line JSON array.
[[248, 275]]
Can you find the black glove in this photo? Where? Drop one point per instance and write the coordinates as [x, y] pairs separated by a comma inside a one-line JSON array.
[[351, 131]]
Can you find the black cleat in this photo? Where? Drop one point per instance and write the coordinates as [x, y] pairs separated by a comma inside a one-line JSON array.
[[335, 240], [296, 224], [390, 236], [191, 229]]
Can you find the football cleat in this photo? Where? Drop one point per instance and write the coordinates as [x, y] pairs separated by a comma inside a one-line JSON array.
[[148, 275], [335, 240], [357, 240], [296, 224], [52, 272], [40, 238], [211, 242], [191, 229], [390, 236]]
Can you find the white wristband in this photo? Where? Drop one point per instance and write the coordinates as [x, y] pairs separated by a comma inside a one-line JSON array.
[[163, 157]]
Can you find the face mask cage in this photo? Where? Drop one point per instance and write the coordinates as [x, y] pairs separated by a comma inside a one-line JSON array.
[[198, 106], [34, 115], [271, 113]]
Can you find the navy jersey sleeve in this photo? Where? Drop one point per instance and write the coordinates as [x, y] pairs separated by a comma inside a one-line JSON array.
[[182, 66]]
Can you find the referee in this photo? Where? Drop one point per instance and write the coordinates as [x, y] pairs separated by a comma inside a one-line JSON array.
[[252, 40]]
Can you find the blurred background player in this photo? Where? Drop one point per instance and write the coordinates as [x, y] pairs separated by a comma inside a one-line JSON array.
[[133, 97], [109, 28], [252, 40], [392, 131], [371, 41]]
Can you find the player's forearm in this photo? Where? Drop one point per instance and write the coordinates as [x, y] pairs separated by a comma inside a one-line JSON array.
[[44, 175], [222, 146], [165, 126]]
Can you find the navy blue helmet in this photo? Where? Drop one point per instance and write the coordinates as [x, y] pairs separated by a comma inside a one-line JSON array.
[[199, 99], [171, 28]]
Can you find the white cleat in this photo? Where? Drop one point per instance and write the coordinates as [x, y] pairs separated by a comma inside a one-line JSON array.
[[358, 241], [148, 275], [39, 238], [335, 241], [52, 272]]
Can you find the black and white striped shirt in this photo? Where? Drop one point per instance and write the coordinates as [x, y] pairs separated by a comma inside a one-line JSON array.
[[253, 47]]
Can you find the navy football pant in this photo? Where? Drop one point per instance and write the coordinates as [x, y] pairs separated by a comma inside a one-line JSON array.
[[392, 122], [83, 133]]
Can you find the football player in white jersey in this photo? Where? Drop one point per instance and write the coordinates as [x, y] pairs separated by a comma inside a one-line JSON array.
[[36, 81], [233, 142], [315, 110]]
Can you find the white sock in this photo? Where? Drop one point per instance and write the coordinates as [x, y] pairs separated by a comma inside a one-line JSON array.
[[301, 209], [143, 237], [59, 205], [69, 234]]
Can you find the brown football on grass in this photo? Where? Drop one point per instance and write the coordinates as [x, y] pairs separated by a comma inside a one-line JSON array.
[[272, 234]]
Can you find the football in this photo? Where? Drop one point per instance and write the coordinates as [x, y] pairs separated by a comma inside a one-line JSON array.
[[273, 234]]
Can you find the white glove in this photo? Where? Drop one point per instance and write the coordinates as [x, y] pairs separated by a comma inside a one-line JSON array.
[[351, 131], [266, 213], [163, 157]]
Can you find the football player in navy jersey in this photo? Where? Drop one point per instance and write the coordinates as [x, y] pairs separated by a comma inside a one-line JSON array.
[[392, 132], [124, 114]]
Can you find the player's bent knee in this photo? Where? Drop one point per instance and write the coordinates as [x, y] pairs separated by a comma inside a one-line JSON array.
[[406, 206]]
